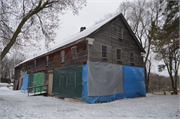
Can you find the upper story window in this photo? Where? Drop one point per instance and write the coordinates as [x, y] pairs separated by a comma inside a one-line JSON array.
[[104, 51], [35, 64], [25, 67], [47, 60], [62, 56], [120, 33], [81, 48], [119, 54], [131, 57], [73, 52]]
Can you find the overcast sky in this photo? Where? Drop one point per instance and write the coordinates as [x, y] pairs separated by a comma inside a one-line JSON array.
[[94, 11]]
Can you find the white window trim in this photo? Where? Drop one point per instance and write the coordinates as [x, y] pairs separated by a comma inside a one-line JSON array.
[[120, 54], [62, 57], [73, 54]]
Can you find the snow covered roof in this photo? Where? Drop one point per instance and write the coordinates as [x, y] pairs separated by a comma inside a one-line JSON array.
[[81, 35], [70, 39]]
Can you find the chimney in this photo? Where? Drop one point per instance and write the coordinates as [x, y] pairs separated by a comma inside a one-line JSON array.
[[82, 29]]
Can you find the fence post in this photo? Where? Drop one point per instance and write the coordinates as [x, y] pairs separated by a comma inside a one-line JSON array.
[[35, 90], [47, 89]]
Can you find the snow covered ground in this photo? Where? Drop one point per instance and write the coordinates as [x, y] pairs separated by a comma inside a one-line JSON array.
[[4, 84], [17, 105]]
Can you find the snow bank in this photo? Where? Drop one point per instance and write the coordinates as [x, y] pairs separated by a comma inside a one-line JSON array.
[[4, 84], [14, 104]]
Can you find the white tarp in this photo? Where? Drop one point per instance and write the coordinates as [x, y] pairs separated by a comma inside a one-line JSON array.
[[104, 79]]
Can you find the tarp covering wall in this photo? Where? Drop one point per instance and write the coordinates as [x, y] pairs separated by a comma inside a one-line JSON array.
[[92, 99], [30, 82], [25, 83], [67, 81], [38, 80], [134, 84], [104, 79]]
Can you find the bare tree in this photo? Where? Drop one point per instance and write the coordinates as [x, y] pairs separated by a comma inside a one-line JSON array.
[[8, 64], [23, 22]]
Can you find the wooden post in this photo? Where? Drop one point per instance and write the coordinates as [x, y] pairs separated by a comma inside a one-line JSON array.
[[50, 84], [40, 90], [35, 90], [47, 89]]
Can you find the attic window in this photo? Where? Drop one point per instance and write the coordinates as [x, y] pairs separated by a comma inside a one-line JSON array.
[[47, 59], [73, 52], [131, 57], [120, 33], [104, 51]]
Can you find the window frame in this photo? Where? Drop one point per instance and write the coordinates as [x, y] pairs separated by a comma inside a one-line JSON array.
[[104, 51], [47, 60], [133, 57], [73, 55], [35, 63], [25, 67], [62, 57], [119, 54], [118, 33]]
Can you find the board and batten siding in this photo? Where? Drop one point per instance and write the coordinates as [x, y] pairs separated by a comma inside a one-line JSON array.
[[108, 36]]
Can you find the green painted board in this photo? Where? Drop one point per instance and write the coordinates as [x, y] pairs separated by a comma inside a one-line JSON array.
[[38, 80]]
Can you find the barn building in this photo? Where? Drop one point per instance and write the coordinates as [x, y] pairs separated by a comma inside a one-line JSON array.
[[100, 63]]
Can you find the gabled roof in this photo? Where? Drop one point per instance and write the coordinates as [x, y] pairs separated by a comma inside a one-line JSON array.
[[81, 35], [134, 36]]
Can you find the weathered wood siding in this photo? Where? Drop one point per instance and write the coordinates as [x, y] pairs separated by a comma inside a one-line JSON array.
[[17, 77], [107, 36], [53, 62]]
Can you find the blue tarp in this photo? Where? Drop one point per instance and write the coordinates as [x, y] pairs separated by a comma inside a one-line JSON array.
[[25, 83], [133, 78], [92, 99], [133, 82]]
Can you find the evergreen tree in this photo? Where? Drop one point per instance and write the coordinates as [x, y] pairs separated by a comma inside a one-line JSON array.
[[166, 42]]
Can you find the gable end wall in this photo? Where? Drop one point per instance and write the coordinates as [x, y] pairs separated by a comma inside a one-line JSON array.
[[107, 35]]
